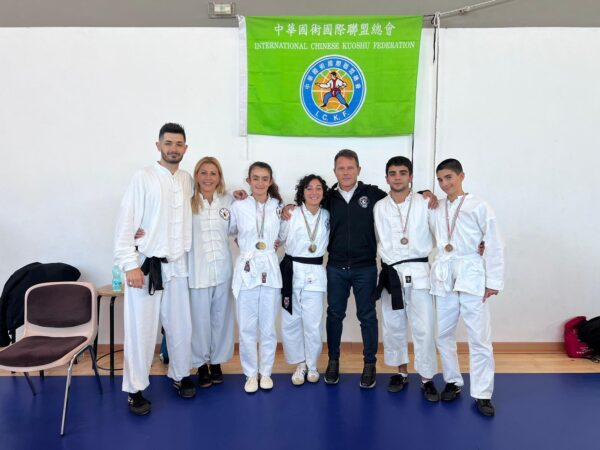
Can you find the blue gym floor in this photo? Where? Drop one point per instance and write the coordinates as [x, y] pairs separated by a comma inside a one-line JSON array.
[[533, 411]]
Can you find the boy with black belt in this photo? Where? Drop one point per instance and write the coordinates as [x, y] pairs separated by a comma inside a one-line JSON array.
[[403, 225]]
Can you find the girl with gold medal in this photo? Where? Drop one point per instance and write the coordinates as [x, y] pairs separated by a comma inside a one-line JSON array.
[[256, 279]]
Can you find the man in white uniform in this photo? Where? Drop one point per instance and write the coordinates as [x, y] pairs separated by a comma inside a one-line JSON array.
[[402, 224], [463, 280], [157, 200]]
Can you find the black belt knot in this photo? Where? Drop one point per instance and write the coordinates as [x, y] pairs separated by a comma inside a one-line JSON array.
[[389, 279], [287, 277], [152, 268]]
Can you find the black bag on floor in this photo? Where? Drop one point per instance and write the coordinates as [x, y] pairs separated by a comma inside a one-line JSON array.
[[589, 332]]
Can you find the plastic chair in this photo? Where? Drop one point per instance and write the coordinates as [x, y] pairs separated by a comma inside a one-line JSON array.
[[60, 324]]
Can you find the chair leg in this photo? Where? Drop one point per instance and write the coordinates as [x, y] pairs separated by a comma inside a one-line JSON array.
[[95, 366], [29, 383], [68, 385]]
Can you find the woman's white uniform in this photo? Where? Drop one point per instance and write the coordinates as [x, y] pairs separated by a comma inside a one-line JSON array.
[[301, 330], [419, 308], [158, 202], [210, 283], [256, 282], [459, 279]]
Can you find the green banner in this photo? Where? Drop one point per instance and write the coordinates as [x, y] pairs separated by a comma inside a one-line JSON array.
[[331, 75]]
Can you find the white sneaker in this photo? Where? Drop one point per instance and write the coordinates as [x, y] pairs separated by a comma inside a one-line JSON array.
[[299, 374], [266, 382], [251, 385], [313, 376]]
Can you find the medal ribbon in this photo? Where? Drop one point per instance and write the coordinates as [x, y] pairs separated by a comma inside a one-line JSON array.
[[260, 231], [455, 218], [404, 224], [312, 235]]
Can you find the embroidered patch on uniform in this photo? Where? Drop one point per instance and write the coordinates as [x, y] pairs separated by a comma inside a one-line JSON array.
[[363, 201], [408, 279], [286, 302], [224, 213], [327, 224], [279, 209]]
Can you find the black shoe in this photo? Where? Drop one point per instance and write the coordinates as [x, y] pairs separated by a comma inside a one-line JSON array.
[[204, 378], [430, 392], [185, 388], [332, 374], [216, 375], [485, 407], [138, 404], [450, 392], [397, 383], [367, 379]]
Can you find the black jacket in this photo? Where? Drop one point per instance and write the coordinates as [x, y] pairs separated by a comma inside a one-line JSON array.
[[352, 241], [12, 301]]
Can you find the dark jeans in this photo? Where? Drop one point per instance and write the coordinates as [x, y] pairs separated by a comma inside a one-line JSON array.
[[363, 282]]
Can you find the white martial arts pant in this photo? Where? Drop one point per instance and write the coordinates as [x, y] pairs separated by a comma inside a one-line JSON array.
[[301, 330], [419, 309], [212, 324], [257, 310], [476, 316], [142, 313]]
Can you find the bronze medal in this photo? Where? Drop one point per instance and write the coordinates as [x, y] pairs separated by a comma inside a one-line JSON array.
[[260, 245], [404, 241], [312, 248], [448, 248]]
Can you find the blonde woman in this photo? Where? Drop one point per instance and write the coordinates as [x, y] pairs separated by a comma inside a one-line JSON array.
[[210, 270]]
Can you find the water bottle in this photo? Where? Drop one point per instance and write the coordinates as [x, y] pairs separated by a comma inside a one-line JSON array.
[[117, 284]]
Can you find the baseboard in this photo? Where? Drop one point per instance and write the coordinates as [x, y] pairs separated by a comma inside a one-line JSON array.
[[463, 347]]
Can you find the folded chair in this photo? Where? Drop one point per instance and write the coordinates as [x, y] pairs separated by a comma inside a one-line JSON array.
[[60, 324]]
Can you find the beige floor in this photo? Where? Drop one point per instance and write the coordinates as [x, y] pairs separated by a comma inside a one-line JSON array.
[[351, 362]]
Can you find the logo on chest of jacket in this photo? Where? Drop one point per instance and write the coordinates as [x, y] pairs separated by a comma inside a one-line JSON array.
[[363, 201], [224, 213]]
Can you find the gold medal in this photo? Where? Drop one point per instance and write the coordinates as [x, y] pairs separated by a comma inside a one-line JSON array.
[[404, 241], [312, 248], [261, 245], [448, 248]]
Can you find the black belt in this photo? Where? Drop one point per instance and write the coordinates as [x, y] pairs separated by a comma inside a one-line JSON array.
[[287, 276], [389, 279], [152, 268]]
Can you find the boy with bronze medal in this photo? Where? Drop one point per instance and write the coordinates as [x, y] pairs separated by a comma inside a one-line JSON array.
[[463, 279]]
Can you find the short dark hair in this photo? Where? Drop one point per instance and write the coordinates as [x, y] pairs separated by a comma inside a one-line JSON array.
[[450, 164], [399, 161], [170, 127], [303, 183], [346, 153]]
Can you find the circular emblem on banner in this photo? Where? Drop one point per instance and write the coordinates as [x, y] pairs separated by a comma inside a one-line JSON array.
[[224, 213], [332, 90], [363, 201]]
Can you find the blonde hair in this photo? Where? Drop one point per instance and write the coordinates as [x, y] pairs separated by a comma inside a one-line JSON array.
[[196, 200]]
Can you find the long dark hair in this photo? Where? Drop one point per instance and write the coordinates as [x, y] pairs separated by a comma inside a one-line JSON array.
[[303, 183], [273, 190]]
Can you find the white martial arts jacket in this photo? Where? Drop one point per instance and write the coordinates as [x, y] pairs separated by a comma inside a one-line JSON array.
[[160, 203], [210, 256], [464, 269], [388, 228], [243, 222], [293, 233]]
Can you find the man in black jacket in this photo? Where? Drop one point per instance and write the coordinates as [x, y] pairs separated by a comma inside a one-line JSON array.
[[352, 263]]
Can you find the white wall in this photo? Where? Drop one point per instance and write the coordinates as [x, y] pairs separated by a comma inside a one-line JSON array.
[[81, 108]]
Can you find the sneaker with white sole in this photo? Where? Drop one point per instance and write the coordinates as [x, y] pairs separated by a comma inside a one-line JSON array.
[[251, 385], [266, 382], [299, 374], [313, 376]]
